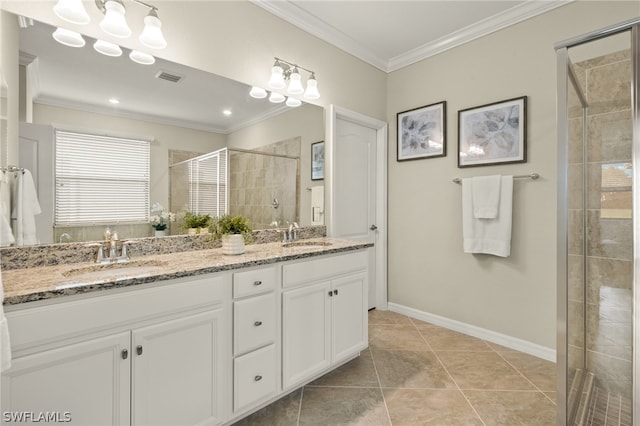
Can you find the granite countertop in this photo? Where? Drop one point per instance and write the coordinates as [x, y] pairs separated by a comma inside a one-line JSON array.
[[48, 282]]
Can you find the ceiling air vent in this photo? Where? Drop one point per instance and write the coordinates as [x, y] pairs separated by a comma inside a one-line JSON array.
[[165, 75]]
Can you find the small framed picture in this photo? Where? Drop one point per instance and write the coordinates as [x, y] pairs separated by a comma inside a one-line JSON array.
[[422, 132], [493, 134], [317, 160]]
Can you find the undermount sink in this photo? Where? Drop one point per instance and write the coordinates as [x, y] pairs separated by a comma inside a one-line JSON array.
[[92, 274], [307, 243]]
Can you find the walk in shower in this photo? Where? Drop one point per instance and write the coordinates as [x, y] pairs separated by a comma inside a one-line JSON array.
[[597, 226]]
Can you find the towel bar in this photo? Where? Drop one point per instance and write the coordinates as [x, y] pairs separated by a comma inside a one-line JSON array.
[[533, 176]]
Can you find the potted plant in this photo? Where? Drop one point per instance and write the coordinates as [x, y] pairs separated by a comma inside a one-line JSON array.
[[159, 219], [196, 222], [233, 231]]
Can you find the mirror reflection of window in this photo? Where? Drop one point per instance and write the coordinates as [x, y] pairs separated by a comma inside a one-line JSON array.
[[615, 191]]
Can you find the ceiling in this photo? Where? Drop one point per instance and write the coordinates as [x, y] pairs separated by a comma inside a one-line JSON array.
[[386, 34], [393, 34]]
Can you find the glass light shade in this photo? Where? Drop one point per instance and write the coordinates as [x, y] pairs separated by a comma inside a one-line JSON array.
[[277, 78], [71, 11], [107, 48], [293, 102], [114, 22], [152, 34], [312, 89], [141, 57], [276, 98], [258, 92], [295, 85], [68, 38]]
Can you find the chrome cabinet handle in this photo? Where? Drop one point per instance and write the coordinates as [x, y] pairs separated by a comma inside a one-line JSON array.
[[125, 354], [257, 323], [139, 350], [257, 378], [257, 282]]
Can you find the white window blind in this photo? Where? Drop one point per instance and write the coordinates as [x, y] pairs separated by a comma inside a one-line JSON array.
[[100, 179], [208, 184]]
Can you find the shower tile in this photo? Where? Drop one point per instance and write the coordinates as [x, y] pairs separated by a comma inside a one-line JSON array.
[[610, 238], [442, 339], [575, 316], [513, 408], [575, 185], [429, 407], [344, 406], [575, 273], [610, 86], [410, 369], [575, 232], [482, 370], [576, 144], [612, 374], [539, 371], [610, 137]]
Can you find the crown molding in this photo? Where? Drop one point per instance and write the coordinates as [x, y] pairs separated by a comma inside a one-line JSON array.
[[317, 27], [516, 14]]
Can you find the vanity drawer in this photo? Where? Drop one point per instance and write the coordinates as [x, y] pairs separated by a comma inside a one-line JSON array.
[[254, 282], [306, 271], [254, 377], [254, 323]]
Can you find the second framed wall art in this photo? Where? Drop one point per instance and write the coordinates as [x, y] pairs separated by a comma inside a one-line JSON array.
[[422, 132]]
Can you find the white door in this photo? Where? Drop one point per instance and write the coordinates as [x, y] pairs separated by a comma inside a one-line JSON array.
[[177, 368], [357, 152], [35, 152], [81, 384]]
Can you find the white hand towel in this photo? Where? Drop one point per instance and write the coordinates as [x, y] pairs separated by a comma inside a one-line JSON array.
[[486, 196], [6, 236], [5, 344], [488, 236], [25, 207]]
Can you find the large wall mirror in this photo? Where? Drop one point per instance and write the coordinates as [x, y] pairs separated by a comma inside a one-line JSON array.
[[181, 110]]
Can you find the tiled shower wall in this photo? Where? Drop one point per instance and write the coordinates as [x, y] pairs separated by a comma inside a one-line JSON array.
[[609, 232], [255, 181]]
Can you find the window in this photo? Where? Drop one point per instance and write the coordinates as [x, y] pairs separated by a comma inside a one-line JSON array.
[[615, 195], [100, 179], [208, 184]]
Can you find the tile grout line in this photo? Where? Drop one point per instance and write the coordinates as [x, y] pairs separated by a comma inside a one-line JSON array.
[[524, 376], [384, 400], [447, 371], [300, 406]]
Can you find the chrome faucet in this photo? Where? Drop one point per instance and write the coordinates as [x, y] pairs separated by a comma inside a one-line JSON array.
[[290, 235], [112, 246], [65, 236]]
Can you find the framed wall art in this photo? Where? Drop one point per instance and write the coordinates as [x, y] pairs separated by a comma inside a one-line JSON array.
[[422, 132], [317, 160], [493, 134]]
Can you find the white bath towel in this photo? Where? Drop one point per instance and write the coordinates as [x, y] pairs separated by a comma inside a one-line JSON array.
[[25, 207], [489, 236], [5, 344], [6, 236], [486, 196]]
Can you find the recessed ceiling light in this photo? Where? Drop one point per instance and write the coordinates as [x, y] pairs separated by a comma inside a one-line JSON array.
[[227, 112], [114, 101]]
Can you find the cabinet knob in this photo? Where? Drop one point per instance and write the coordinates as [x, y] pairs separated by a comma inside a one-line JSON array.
[[125, 354], [335, 292], [257, 282], [257, 378], [139, 349], [257, 323], [330, 293]]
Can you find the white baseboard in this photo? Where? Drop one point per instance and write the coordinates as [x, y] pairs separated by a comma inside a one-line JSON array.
[[481, 333]]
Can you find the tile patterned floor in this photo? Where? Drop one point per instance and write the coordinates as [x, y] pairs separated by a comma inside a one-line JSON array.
[[415, 373]]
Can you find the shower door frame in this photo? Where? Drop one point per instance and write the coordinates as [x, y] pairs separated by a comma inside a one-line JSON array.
[[562, 64]]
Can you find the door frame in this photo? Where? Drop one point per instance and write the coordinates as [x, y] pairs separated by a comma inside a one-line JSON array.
[[381, 128]]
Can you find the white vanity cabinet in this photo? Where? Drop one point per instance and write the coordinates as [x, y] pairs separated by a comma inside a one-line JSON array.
[[255, 337], [324, 314], [151, 356]]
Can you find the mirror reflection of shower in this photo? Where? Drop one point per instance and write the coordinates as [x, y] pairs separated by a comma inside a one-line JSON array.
[[263, 186]]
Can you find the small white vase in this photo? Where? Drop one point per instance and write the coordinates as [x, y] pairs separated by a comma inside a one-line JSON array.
[[232, 244], [161, 233]]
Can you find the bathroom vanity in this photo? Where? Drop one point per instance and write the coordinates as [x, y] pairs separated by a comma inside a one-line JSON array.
[[195, 338]]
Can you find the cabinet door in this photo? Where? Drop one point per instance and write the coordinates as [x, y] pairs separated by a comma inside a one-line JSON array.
[[349, 332], [177, 371], [86, 383], [305, 332]]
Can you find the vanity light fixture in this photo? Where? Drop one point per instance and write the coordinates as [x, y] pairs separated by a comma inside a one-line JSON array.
[[276, 98], [106, 48], [68, 38], [71, 11], [114, 22], [141, 58], [293, 102], [283, 70], [258, 92]]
